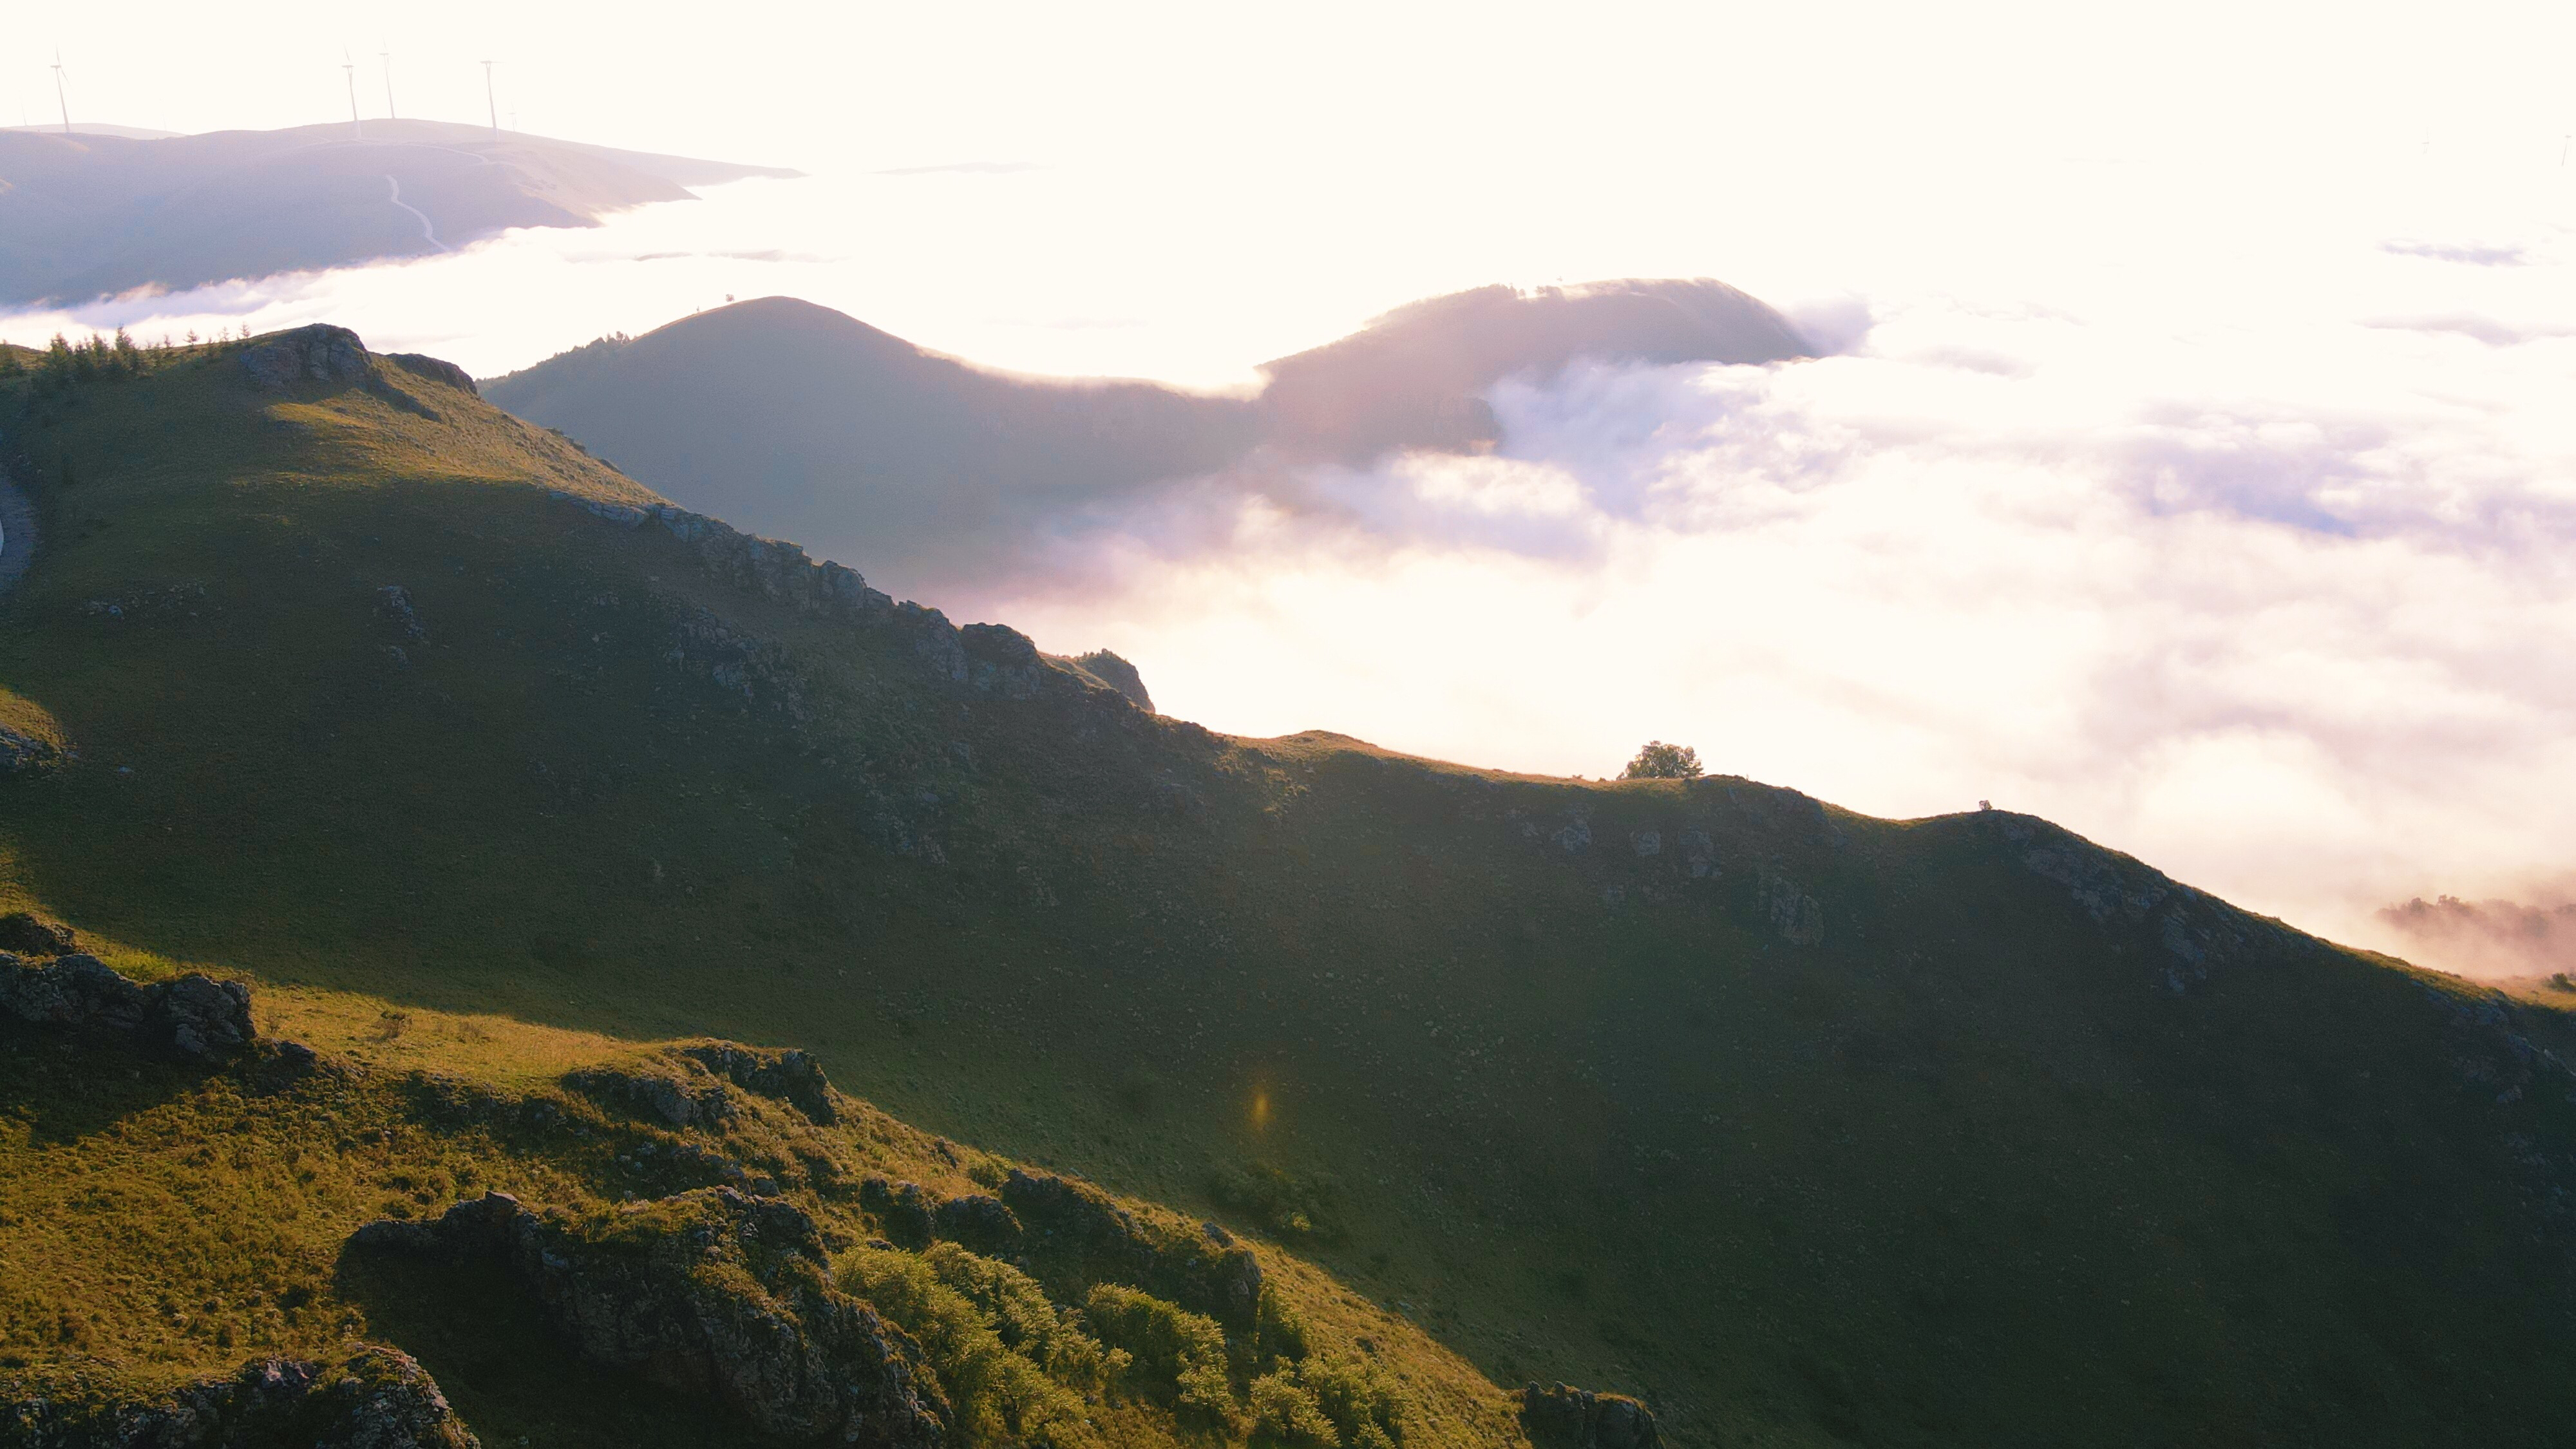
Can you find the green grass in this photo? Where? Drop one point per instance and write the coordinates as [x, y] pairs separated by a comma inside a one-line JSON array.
[[1938, 1158], [174, 1223]]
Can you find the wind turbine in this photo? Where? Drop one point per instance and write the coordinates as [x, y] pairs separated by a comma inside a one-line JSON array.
[[387, 57], [349, 73], [59, 98], [488, 103]]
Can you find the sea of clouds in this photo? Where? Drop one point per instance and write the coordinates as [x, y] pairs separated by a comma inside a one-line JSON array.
[[2217, 506]]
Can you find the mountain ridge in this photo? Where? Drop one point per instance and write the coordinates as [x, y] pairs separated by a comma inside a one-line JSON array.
[[1800, 1126]]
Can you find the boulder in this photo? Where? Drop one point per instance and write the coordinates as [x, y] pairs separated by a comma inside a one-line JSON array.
[[1571, 1418], [707, 1292], [374, 1398]]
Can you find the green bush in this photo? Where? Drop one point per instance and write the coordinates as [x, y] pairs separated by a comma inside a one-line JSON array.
[[1325, 1402], [1027, 1323], [1001, 1396], [1177, 1356]]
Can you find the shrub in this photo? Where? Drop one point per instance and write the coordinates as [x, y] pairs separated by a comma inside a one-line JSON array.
[[1021, 1315], [1326, 1402], [999, 1395], [1177, 1356]]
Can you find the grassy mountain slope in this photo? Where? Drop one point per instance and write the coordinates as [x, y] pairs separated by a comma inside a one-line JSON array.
[[1808, 1127], [88, 215], [795, 420]]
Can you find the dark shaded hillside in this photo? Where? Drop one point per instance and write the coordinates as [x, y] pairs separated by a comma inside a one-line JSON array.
[[1808, 1127], [799, 421], [89, 215], [794, 419], [1415, 378]]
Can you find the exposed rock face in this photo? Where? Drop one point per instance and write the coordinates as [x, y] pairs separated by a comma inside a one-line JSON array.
[[393, 602], [24, 752], [1084, 1229], [707, 1292], [1119, 675], [788, 1076], [1571, 1418], [319, 353], [28, 936], [690, 1087], [436, 370], [193, 1016], [991, 658], [377, 1398], [1000, 659]]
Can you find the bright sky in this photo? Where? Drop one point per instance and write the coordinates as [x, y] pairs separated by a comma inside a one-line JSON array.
[[2207, 480]]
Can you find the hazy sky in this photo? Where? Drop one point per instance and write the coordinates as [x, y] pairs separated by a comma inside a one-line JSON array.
[[2201, 472]]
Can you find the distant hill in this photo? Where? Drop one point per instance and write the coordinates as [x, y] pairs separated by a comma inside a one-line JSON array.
[[488, 769], [94, 213], [801, 422], [797, 420], [1415, 377]]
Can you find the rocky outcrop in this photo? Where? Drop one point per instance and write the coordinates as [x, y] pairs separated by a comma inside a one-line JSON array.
[[789, 1076], [376, 1398], [1119, 675], [28, 935], [691, 1087], [674, 1092], [991, 658], [1085, 1234], [21, 752], [435, 369], [194, 1017], [1000, 660], [319, 353], [710, 1293], [1571, 1418]]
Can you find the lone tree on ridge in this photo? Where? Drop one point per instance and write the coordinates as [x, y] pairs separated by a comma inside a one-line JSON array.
[[1660, 761]]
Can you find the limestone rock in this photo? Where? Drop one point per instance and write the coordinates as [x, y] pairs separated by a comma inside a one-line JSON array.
[[319, 353], [192, 1016], [375, 1398], [1571, 1418], [22, 752], [789, 1076]]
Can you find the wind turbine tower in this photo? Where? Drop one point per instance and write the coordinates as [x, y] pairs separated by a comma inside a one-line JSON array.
[[59, 97], [490, 104], [349, 73], [387, 57]]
